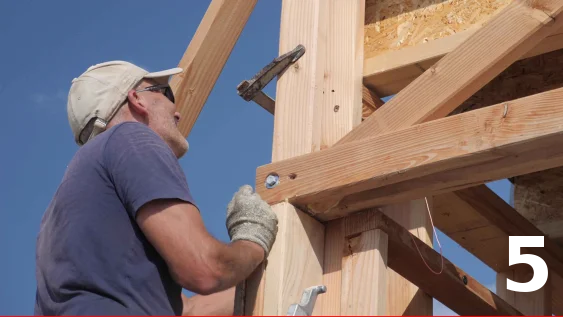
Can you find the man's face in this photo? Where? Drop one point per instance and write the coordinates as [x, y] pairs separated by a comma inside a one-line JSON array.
[[163, 118]]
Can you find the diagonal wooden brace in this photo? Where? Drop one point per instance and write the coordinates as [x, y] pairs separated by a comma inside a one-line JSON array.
[[461, 73], [206, 56]]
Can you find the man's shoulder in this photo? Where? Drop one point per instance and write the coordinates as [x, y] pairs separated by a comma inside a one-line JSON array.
[[131, 135], [130, 130]]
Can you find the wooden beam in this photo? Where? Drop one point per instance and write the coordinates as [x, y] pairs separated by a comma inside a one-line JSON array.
[[340, 88], [404, 297], [364, 274], [206, 56], [318, 100], [470, 217], [407, 255], [387, 74], [295, 262], [537, 303], [501, 215], [505, 140], [370, 102], [335, 242], [504, 39]]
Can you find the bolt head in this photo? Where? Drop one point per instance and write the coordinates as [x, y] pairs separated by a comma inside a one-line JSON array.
[[272, 180]]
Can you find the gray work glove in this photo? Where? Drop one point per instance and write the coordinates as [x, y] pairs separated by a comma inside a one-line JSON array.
[[251, 218]]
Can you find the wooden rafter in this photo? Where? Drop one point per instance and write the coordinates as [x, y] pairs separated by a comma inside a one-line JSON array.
[[500, 141], [453, 287], [481, 222], [370, 102], [501, 215], [206, 56]]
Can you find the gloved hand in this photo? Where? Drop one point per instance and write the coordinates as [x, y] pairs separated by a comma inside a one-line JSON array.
[[251, 218]]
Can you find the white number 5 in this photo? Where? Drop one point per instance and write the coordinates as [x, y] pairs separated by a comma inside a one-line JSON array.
[[537, 263]]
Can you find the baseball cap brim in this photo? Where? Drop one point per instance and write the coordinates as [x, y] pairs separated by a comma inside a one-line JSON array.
[[163, 75]]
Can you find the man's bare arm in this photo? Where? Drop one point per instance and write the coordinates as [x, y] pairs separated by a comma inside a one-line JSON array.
[[218, 304], [196, 260]]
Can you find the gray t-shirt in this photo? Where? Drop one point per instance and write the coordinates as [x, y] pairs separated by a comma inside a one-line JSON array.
[[91, 256]]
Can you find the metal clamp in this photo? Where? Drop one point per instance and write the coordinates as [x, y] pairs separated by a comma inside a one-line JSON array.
[[252, 89]]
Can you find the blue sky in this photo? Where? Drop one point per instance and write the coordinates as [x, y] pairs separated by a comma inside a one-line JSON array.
[[47, 43]]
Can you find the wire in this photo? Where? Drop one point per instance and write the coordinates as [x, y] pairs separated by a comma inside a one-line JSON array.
[[438, 240]]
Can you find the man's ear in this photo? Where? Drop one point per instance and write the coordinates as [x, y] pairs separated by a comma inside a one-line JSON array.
[[136, 105]]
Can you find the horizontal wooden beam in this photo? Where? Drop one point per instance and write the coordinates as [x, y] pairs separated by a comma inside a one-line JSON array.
[[387, 74], [511, 33], [206, 56], [407, 256], [513, 138], [481, 222]]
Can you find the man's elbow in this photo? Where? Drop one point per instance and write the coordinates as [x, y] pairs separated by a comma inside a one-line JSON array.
[[200, 281]]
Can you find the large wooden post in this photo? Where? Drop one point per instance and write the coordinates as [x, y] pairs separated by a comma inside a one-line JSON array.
[[318, 101], [533, 303]]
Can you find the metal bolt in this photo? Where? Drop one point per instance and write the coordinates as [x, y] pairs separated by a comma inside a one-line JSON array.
[[272, 181]]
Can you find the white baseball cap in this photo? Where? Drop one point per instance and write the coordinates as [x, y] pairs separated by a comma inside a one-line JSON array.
[[97, 94]]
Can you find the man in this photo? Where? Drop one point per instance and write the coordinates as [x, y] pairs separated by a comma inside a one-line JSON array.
[[122, 234]]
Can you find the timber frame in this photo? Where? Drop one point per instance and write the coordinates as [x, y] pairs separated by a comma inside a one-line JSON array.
[[357, 176]]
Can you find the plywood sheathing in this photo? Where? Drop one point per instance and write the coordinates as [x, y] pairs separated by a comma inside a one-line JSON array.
[[523, 78], [539, 197], [395, 24]]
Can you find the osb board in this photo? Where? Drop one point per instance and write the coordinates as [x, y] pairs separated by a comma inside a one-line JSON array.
[[394, 24], [539, 197], [523, 78]]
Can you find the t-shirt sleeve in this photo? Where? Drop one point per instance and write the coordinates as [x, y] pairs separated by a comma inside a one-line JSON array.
[[143, 168]]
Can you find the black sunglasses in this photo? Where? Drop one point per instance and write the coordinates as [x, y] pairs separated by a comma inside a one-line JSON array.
[[164, 89]]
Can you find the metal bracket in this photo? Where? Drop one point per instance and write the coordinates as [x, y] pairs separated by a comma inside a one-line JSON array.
[[305, 307], [252, 89]]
